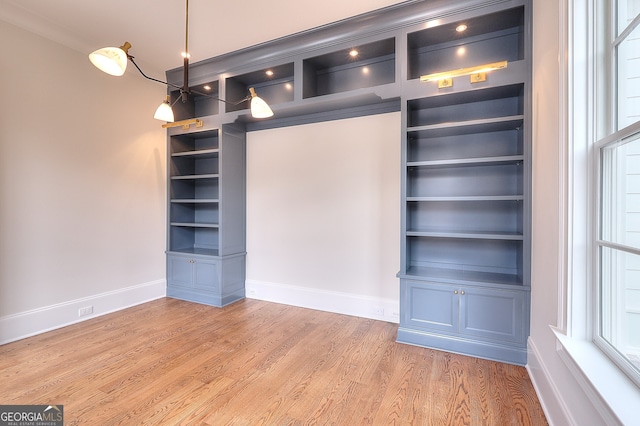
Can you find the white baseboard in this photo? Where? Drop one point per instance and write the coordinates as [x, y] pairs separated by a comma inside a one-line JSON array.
[[550, 398], [29, 323], [323, 300]]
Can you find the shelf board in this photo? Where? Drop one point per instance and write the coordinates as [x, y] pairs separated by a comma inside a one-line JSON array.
[[484, 125], [461, 276], [479, 161], [195, 250], [471, 198], [195, 224], [195, 200], [192, 177], [468, 235], [199, 153]]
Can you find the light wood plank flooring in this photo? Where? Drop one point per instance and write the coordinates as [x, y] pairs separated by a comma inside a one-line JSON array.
[[171, 362]]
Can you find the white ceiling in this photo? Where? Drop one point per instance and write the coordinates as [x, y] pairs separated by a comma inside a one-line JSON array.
[[156, 28]]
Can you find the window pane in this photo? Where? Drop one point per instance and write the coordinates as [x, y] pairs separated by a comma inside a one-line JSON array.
[[628, 70], [627, 10], [620, 303], [620, 192]]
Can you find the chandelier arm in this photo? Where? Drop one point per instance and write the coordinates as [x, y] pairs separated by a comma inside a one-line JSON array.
[[195, 92], [182, 90], [151, 78]]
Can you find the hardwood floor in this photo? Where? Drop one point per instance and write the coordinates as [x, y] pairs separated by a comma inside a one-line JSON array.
[[256, 363]]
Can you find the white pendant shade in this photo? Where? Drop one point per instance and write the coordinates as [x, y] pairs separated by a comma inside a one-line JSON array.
[[164, 113], [259, 108], [112, 60]]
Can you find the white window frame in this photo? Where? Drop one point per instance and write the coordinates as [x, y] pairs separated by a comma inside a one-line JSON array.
[[607, 133], [614, 395], [597, 244]]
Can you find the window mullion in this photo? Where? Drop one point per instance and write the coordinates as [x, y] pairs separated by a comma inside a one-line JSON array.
[[625, 33]]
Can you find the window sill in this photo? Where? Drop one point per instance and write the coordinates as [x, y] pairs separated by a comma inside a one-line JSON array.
[[613, 394]]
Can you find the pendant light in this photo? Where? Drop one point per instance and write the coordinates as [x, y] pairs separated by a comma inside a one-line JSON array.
[[113, 61], [259, 108], [164, 112]]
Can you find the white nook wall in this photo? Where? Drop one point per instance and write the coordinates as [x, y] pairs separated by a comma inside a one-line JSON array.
[[323, 216]]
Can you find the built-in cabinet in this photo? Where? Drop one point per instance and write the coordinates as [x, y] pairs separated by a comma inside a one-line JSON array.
[[206, 229], [464, 279], [466, 153]]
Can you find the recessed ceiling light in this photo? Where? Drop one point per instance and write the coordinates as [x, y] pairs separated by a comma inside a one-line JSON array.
[[353, 53], [461, 28], [206, 87], [269, 73]]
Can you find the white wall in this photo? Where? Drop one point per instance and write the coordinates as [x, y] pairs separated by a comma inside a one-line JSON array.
[[323, 216], [564, 400], [82, 187]]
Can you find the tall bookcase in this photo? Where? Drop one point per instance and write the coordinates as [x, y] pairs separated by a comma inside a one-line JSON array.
[[206, 240], [465, 270]]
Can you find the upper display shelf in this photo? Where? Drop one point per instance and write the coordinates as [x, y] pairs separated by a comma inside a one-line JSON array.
[[467, 42], [371, 58], [366, 65], [275, 84]]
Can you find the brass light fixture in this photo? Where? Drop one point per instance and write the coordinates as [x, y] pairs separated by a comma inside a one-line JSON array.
[[113, 61], [477, 73]]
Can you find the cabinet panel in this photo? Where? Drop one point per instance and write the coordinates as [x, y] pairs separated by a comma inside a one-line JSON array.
[[492, 314], [179, 271], [431, 306], [206, 275]]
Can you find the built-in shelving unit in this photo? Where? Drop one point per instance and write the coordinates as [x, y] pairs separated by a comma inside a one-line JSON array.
[[466, 160], [465, 238], [206, 192]]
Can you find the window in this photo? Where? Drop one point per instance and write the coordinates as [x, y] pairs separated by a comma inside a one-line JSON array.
[[616, 248]]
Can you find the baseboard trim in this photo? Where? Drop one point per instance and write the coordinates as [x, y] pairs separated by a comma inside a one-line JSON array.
[[461, 345], [30, 323], [324, 300], [549, 396]]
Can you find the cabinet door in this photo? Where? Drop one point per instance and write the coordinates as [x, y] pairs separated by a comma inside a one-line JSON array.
[[492, 314], [206, 275], [180, 271], [430, 306]]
